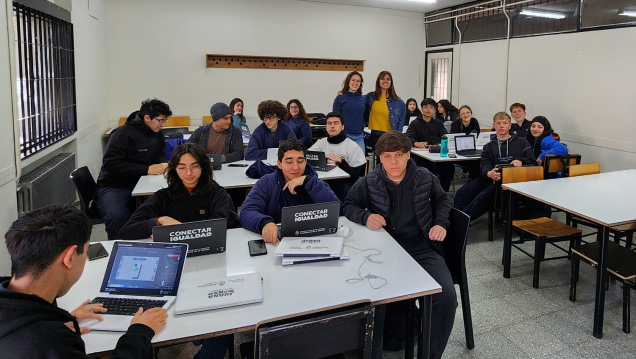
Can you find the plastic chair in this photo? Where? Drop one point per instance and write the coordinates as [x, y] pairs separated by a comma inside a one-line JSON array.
[[207, 119], [86, 187]]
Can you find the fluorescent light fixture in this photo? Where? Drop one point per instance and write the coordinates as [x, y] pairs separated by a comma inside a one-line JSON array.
[[628, 13], [549, 15], [426, 1]]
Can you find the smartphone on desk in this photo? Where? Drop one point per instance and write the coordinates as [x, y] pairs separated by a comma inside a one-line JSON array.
[[257, 247], [237, 165], [96, 251]]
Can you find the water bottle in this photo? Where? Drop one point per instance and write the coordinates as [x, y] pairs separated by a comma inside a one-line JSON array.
[[444, 149]]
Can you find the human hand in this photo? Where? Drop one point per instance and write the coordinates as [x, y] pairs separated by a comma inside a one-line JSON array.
[[333, 157], [437, 233], [157, 169], [539, 161], [155, 318], [420, 144], [270, 233], [87, 311], [375, 222], [516, 163], [291, 185], [340, 93], [166, 221], [494, 174]]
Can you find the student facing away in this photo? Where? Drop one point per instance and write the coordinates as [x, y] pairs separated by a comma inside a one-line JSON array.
[[220, 137], [269, 133]]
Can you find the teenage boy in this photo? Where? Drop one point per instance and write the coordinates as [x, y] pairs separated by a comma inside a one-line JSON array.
[[48, 252], [292, 184], [341, 150], [478, 196], [410, 204], [521, 126], [269, 133], [220, 137], [425, 131], [133, 150]]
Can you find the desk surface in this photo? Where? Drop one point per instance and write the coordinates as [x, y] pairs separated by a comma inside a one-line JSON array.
[[287, 290], [228, 177], [606, 198], [436, 157]]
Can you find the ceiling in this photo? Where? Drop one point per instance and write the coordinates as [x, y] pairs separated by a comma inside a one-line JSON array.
[[397, 4]]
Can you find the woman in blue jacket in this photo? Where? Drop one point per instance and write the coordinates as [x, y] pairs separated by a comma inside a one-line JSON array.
[[297, 119], [386, 109], [541, 138], [352, 105], [238, 119]]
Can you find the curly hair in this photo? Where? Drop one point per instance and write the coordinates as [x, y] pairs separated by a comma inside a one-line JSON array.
[[345, 83], [206, 182], [448, 107], [154, 108], [393, 141], [271, 108], [301, 110]]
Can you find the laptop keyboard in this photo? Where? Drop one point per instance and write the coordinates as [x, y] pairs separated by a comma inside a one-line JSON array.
[[469, 153], [127, 306]]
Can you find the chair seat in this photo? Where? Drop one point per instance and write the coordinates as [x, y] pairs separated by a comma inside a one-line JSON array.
[[621, 261], [545, 227], [629, 227]]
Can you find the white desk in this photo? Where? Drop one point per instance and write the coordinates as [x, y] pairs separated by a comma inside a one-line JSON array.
[[607, 199], [437, 157], [228, 177], [287, 290]]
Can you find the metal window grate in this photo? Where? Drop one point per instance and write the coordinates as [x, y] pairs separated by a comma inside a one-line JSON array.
[[439, 73], [45, 78]]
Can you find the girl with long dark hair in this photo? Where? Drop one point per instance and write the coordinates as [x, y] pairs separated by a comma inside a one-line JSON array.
[[387, 110], [411, 111], [236, 105], [352, 105], [543, 139], [297, 119]]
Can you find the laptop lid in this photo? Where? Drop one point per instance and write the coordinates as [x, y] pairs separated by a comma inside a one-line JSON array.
[[463, 143], [272, 156], [202, 237], [310, 220], [317, 159], [216, 160], [143, 268]]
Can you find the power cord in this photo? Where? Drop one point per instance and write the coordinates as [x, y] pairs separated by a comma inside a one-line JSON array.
[[368, 277]]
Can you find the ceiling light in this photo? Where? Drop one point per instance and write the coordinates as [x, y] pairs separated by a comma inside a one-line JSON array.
[[549, 15], [628, 13], [426, 1]]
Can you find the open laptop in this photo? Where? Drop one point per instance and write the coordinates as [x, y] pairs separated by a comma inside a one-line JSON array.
[[309, 220], [245, 131], [465, 146], [217, 161], [272, 156], [484, 137], [202, 237], [318, 160], [139, 274]]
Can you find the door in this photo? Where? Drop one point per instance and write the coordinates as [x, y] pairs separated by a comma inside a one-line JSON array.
[[439, 69]]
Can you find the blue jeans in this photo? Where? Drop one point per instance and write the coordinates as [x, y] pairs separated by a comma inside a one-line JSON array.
[[359, 139], [214, 348], [476, 197], [116, 206]]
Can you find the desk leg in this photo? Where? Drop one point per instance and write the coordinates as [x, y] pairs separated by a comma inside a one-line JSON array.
[[601, 281], [410, 325], [424, 340], [507, 247]]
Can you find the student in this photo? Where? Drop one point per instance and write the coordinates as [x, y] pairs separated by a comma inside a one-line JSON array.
[[192, 195], [411, 111], [478, 196], [446, 111], [466, 123], [410, 204], [426, 130], [352, 105], [297, 119], [236, 105], [521, 125], [48, 253], [133, 150], [269, 133], [340, 150], [220, 137], [293, 184], [540, 137], [387, 110]]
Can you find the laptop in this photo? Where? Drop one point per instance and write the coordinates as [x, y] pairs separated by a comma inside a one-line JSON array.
[[202, 237], [245, 131], [318, 160], [309, 220], [272, 156], [139, 274], [465, 146], [484, 137], [217, 161]]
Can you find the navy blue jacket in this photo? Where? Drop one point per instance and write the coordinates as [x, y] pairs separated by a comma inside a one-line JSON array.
[[397, 111], [267, 198], [301, 130], [262, 139], [353, 107]]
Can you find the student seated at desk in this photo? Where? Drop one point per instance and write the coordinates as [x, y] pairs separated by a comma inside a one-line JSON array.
[[478, 196], [410, 204], [48, 253], [543, 141], [133, 150], [466, 123], [293, 184], [236, 105], [192, 195], [297, 119], [447, 113], [220, 137], [521, 126], [425, 131], [269, 133]]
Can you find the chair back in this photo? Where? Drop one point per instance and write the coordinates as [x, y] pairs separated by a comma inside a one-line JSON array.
[[174, 121], [521, 174], [122, 120], [315, 115], [561, 163], [585, 169], [328, 332], [167, 131], [85, 186], [455, 244], [207, 119]]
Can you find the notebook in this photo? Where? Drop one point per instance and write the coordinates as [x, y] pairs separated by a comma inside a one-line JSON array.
[[139, 274], [310, 247], [310, 220], [202, 237], [318, 160]]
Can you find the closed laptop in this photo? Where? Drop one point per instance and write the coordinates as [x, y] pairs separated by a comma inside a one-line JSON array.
[[202, 237], [310, 220]]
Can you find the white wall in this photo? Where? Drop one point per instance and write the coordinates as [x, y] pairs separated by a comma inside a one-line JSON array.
[[157, 48], [584, 83]]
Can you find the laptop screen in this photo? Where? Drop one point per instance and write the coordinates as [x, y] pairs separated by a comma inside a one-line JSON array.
[[310, 220], [313, 158], [140, 268], [463, 143]]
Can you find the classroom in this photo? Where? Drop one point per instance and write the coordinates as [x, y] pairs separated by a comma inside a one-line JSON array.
[[569, 61]]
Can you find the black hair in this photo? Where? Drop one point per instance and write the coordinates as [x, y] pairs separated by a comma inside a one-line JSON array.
[[448, 107], [417, 111], [290, 145], [36, 240], [336, 114], [429, 101], [393, 141], [154, 108], [234, 102], [547, 131], [206, 182]]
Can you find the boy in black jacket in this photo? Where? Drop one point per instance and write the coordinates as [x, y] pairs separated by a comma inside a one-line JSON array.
[[134, 150], [410, 204], [48, 252], [478, 196]]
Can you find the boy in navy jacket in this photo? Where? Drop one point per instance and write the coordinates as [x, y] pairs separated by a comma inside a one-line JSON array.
[[269, 133]]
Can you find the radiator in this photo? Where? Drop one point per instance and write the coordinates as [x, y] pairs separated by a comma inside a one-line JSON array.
[[47, 184]]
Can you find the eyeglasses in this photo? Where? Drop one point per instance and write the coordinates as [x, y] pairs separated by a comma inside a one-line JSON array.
[[194, 168], [270, 118], [162, 121], [293, 107]]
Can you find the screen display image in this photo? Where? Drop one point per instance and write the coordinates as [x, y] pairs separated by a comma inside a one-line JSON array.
[[464, 143]]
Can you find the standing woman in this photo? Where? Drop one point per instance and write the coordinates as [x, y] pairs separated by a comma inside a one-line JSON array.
[[297, 119], [387, 110], [411, 111], [238, 119], [466, 123], [352, 105], [540, 137]]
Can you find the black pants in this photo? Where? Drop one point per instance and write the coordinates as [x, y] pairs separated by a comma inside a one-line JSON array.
[[390, 319], [444, 171], [476, 197]]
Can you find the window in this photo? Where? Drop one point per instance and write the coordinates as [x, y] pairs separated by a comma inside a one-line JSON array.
[[438, 74], [440, 32], [45, 78], [481, 22], [541, 17], [595, 13]]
